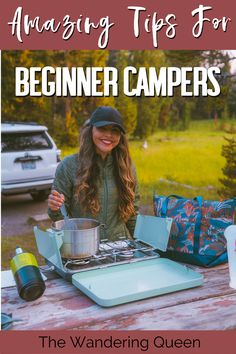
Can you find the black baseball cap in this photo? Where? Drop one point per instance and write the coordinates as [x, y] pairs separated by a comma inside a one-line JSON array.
[[106, 115]]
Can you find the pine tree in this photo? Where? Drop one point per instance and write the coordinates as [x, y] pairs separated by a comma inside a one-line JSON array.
[[148, 108], [182, 107], [217, 106], [229, 181], [62, 115], [125, 105]]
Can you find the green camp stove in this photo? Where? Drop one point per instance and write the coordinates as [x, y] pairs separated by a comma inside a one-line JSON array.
[[124, 270]]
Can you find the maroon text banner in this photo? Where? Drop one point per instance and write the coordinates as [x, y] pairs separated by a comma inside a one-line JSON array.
[[123, 24]]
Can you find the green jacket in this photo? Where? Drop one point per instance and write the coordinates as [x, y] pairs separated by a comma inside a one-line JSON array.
[[64, 182]]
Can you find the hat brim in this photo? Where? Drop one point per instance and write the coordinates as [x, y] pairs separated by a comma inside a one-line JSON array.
[[106, 122]]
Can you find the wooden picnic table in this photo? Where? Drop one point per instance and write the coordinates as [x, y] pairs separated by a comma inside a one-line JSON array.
[[62, 306]]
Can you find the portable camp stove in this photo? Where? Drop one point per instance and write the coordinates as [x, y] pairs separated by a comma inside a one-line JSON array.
[[124, 270], [111, 253]]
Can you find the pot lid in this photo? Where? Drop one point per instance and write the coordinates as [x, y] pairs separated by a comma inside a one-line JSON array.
[[153, 230]]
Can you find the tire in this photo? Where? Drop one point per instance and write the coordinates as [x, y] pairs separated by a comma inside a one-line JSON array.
[[40, 196]]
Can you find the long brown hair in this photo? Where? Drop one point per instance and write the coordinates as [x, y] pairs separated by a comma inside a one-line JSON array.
[[88, 172]]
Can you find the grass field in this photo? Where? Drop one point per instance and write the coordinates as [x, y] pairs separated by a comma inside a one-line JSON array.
[[185, 163]]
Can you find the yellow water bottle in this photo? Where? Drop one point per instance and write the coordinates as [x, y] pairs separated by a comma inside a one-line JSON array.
[[29, 281]]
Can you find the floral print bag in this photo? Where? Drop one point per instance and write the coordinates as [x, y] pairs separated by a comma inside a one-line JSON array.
[[197, 233]]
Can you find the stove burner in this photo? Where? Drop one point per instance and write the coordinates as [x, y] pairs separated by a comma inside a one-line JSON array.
[[121, 251], [125, 254], [76, 262], [116, 245]]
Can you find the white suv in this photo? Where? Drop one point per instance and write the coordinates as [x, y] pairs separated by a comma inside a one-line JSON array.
[[29, 159]]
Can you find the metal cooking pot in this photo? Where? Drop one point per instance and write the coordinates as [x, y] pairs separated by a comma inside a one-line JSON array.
[[82, 240]]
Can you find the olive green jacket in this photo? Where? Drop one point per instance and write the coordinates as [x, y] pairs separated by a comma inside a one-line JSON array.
[[65, 181]]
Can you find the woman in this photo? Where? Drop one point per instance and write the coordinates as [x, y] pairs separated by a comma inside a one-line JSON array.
[[100, 181]]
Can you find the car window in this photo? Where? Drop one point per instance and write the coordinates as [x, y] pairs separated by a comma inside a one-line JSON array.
[[25, 141]]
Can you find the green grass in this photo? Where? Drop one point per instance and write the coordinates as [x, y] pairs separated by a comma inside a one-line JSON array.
[[185, 163], [26, 242]]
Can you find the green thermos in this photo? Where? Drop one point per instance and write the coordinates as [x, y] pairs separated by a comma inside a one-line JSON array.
[[29, 281]]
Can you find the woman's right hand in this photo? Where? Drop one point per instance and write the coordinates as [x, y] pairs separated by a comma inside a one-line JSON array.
[[55, 200]]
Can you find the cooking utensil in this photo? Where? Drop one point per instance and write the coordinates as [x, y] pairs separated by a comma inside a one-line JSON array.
[[82, 240], [69, 224]]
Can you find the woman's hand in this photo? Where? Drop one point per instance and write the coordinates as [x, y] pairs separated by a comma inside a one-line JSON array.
[[55, 200]]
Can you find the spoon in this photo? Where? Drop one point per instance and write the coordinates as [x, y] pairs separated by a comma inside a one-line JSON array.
[[69, 224]]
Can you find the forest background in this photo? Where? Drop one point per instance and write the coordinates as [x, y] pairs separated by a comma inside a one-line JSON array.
[[185, 135], [142, 115]]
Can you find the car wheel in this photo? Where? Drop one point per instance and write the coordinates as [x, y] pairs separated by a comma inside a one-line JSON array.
[[40, 196]]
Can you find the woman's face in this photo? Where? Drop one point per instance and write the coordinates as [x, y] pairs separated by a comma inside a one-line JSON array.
[[105, 139]]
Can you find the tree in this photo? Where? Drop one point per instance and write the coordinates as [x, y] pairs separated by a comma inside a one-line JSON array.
[[74, 111], [181, 107], [62, 115], [232, 98], [181, 58], [125, 105], [216, 107], [229, 181], [21, 108], [148, 108]]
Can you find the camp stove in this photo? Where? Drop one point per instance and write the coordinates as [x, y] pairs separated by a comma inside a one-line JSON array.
[[124, 270], [111, 253]]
